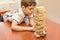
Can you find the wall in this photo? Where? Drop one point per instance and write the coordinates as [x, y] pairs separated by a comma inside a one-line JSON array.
[[53, 9]]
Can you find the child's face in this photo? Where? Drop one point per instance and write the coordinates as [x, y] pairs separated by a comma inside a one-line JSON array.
[[28, 10]]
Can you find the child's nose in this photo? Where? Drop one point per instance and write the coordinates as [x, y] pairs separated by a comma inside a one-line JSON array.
[[32, 11]]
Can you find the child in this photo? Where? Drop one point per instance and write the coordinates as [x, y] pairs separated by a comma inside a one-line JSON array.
[[24, 13]]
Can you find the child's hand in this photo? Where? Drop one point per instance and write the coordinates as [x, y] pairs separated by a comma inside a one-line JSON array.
[[33, 28]]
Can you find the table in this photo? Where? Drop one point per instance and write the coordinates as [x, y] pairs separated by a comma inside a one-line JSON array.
[[6, 33]]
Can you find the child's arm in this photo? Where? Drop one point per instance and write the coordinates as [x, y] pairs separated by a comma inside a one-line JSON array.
[[15, 27], [32, 23]]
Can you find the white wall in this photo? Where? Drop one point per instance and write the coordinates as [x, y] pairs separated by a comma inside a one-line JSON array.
[[53, 9], [2, 0], [8, 5]]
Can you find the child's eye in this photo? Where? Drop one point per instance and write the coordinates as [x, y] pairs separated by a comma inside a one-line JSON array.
[[30, 9]]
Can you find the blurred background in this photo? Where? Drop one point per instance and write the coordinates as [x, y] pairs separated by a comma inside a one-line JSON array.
[[52, 7]]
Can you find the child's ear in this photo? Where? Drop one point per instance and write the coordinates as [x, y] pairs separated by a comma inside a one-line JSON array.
[[23, 7]]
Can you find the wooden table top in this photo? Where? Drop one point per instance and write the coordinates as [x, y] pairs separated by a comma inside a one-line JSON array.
[[6, 33]]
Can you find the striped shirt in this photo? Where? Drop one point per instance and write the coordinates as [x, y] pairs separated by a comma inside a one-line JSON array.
[[18, 16]]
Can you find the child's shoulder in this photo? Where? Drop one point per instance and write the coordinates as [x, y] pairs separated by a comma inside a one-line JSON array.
[[20, 12]]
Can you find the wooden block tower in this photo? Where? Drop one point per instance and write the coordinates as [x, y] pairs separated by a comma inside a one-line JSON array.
[[39, 18]]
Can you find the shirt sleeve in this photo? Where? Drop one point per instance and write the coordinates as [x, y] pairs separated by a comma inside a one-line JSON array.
[[6, 16], [18, 18]]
